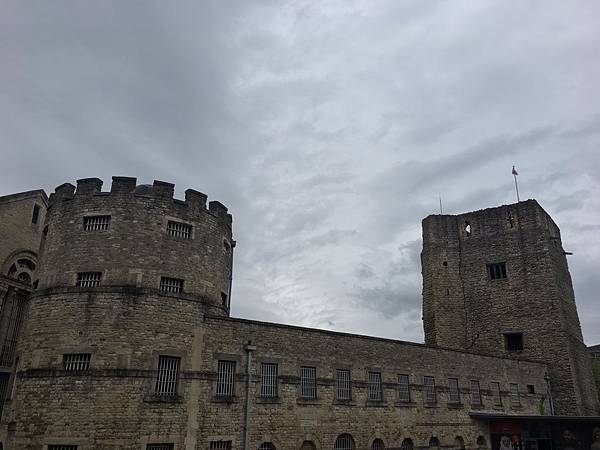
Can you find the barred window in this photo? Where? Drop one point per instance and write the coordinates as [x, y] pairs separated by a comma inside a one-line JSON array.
[[454, 390], [343, 384], [76, 361], [403, 388], [220, 445], [15, 319], [225, 378], [377, 445], [268, 380], [168, 375], [496, 397], [475, 393], [375, 386], [308, 382], [159, 446], [344, 442], [178, 229], [266, 446], [89, 279], [429, 390], [497, 271], [515, 398], [62, 447], [171, 284], [96, 223]]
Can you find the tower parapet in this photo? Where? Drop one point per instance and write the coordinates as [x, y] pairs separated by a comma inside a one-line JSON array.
[[137, 236]]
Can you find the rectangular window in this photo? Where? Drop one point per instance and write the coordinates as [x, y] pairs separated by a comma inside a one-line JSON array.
[[403, 388], [375, 393], [159, 446], [454, 390], [62, 447], [429, 390], [515, 399], [89, 279], [74, 362], [168, 375], [496, 396], [96, 223], [220, 445], [530, 389], [308, 383], [15, 319], [513, 342], [475, 393], [171, 284], [268, 380], [4, 384], [36, 214], [225, 378], [497, 271], [343, 384], [178, 229]]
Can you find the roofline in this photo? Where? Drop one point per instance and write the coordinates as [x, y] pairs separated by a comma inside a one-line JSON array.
[[495, 417], [477, 211], [24, 195], [361, 336]]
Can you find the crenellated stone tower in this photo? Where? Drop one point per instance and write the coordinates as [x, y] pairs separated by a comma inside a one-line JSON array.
[[496, 281], [125, 276]]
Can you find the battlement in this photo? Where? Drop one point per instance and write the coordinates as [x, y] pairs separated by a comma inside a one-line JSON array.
[[127, 186]]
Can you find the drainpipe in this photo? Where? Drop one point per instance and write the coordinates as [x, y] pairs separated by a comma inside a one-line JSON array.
[[549, 389], [248, 348]]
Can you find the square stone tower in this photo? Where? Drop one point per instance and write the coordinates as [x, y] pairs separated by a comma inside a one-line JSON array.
[[496, 281]]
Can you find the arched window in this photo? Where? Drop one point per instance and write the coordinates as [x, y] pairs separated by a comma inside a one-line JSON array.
[[266, 446], [22, 270], [481, 444], [434, 443], [459, 443], [308, 445], [377, 445], [344, 442], [407, 444]]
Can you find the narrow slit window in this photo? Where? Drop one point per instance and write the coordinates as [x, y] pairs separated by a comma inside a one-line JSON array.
[[96, 223], [475, 393], [224, 299], [308, 383], [375, 393], [454, 390], [35, 215], [343, 384], [403, 388], [62, 447], [429, 395], [76, 362], [268, 380], [515, 397], [530, 389], [89, 279], [496, 395], [178, 229], [497, 271], [168, 376], [225, 378], [171, 285]]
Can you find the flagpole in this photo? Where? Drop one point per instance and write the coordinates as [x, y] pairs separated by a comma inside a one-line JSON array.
[[514, 172], [441, 210]]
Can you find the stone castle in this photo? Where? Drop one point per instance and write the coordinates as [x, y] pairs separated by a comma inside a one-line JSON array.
[[116, 334]]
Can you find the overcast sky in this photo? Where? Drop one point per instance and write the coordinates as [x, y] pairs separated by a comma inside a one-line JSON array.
[[328, 128]]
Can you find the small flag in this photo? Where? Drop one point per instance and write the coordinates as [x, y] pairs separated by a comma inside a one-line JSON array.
[[514, 171]]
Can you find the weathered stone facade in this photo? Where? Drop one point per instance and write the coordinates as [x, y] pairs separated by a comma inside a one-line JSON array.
[[123, 325], [465, 308]]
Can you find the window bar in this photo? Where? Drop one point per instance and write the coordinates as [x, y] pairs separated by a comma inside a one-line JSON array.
[[96, 223], [343, 388], [429, 387], [76, 361], [308, 386], [375, 386], [403, 388], [12, 332], [497, 397], [475, 393], [166, 380], [454, 390], [225, 378], [88, 279], [159, 446], [171, 284], [268, 385], [220, 445], [179, 229]]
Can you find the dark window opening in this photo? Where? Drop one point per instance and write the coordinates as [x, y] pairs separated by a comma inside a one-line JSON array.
[[447, 291], [513, 342], [226, 246], [510, 220], [445, 263], [224, 299], [530, 389], [468, 229], [36, 214], [497, 271]]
